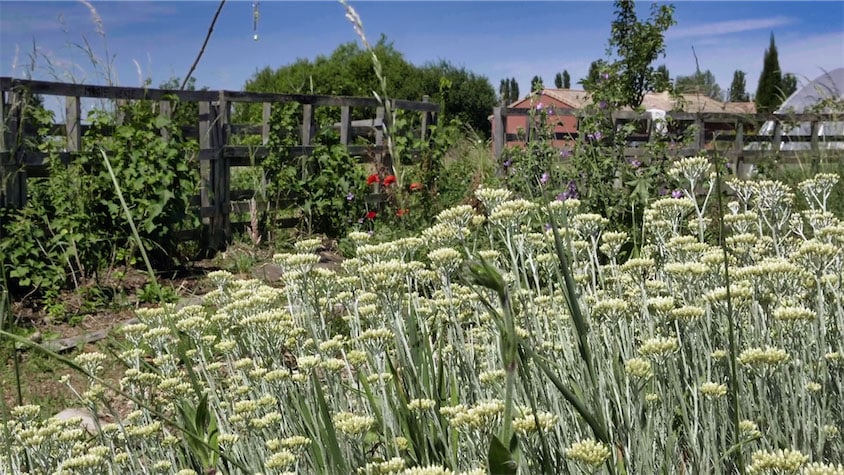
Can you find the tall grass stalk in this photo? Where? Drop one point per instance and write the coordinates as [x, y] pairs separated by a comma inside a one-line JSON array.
[[128, 213], [734, 384]]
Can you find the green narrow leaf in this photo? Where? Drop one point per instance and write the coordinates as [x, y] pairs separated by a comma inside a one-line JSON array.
[[336, 460], [500, 459]]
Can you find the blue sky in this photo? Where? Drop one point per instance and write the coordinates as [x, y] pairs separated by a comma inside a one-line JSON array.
[[160, 39]]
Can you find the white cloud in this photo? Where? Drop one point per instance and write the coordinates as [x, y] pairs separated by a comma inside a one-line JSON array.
[[727, 27]]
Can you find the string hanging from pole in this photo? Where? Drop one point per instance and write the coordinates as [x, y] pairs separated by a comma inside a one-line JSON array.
[[255, 15]]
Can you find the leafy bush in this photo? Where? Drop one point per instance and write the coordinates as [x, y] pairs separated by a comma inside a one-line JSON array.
[[73, 226]]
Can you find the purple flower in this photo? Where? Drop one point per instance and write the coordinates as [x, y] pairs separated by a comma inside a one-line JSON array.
[[544, 178], [635, 163], [507, 163], [676, 194], [565, 153], [605, 76], [571, 192], [602, 105], [539, 106], [547, 226], [596, 136], [663, 191], [350, 196]]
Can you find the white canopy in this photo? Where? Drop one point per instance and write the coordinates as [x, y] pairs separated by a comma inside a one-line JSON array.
[[829, 85]]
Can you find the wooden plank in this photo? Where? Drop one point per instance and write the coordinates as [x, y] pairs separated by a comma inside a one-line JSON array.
[[425, 121], [814, 137], [247, 129], [266, 115], [51, 88], [120, 111], [776, 139], [73, 123], [700, 133], [165, 110], [206, 117], [246, 156], [307, 123], [739, 145], [379, 142], [12, 177], [345, 124], [222, 175], [498, 131], [134, 93]]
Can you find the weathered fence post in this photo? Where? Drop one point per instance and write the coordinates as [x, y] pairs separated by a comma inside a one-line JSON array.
[[222, 173], [345, 124], [12, 175], [307, 123], [739, 145], [210, 156], [498, 131], [776, 139], [700, 133], [427, 119], [266, 115], [120, 111], [814, 144], [165, 110], [73, 123]]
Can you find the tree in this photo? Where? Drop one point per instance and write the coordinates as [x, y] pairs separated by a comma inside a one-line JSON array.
[[470, 97], [788, 87], [348, 71], [737, 88], [514, 89], [504, 91], [699, 83], [566, 79], [637, 45], [770, 81], [558, 81], [663, 78], [593, 76], [536, 84]]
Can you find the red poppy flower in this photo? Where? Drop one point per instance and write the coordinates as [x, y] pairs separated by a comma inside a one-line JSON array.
[[416, 186], [389, 180], [371, 215], [372, 179], [401, 212]]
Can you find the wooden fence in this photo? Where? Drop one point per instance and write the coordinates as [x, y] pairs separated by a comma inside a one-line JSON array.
[[213, 131], [734, 136]]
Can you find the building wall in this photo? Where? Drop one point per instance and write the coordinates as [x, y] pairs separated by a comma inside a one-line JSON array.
[[563, 124]]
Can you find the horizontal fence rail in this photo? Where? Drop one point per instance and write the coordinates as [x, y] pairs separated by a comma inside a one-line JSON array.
[[213, 129], [730, 134]]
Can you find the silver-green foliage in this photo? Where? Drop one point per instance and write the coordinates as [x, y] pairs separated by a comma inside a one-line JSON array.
[[397, 365]]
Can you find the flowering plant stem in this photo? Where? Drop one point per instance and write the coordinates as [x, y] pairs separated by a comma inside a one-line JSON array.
[[734, 384], [579, 323]]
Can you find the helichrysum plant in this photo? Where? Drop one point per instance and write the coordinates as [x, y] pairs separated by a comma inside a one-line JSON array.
[[398, 363]]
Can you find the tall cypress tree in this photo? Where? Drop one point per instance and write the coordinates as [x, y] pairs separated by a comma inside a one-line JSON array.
[[514, 89], [536, 84], [737, 87], [566, 79], [770, 81], [504, 91]]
